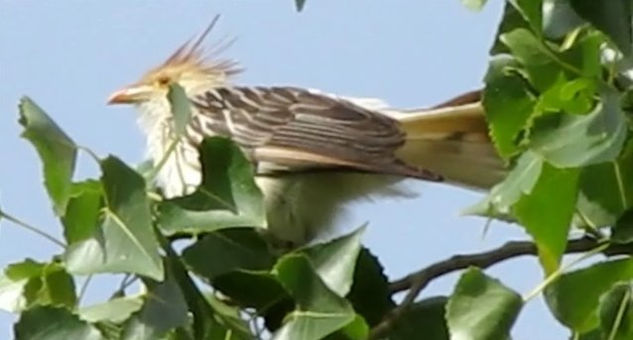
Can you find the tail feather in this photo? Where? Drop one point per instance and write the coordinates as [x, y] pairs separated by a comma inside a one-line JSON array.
[[452, 141]]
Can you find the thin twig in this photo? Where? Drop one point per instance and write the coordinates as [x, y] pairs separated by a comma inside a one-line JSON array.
[[84, 288], [417, 281], [31, 228]]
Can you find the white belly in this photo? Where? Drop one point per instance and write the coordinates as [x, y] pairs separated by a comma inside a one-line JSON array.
[[304, 206]]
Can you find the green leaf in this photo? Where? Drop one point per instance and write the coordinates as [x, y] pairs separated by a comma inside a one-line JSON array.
[[201, 312], [574, 97], [423, 317], [334, 261], [58, 287], [474, 5], [616, 313], [611, 17], [227, 197], [13, 283], [355, 330], [512, 19], [623, 230], [481, 308], [586, 54], [546, 212], [125, 242], [31, 283], [606, 192], [228, 250], [520, 181], [116, 310], [573, 141], [370, 294], [82, 215], [57, 152], [180, 107], [559, 18], [50, 323], [300, 4], [319, 311], [532, 12], [574, 297], [507, 103], [164, 309], [230, 316], [538, 60], [259, 290]]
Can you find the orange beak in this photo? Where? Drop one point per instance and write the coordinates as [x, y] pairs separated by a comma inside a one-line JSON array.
[[130, 95]]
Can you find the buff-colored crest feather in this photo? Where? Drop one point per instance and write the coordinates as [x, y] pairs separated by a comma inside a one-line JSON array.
[[192, 56]]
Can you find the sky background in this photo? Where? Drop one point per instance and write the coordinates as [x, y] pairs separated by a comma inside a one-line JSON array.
[[70, 55]]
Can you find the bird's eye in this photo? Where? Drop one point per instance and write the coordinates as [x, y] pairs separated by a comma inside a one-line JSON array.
[[163, 80]]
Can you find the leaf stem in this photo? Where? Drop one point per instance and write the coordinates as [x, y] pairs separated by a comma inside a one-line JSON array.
[[553, 276], [29, 227], [620, 315], [84, 288], [172, 146], [90, 153]]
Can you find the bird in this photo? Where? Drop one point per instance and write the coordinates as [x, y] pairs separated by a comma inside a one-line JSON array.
[[312, 151]]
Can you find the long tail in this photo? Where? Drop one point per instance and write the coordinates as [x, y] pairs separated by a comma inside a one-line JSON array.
[[452, 139]]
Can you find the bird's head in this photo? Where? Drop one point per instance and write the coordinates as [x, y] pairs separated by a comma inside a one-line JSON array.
[[189, 66]]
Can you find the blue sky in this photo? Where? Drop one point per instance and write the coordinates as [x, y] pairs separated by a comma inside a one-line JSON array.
[[68, 56]]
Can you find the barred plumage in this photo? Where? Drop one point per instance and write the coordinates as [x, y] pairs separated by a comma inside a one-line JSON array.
[[292, 134], [307, 129]]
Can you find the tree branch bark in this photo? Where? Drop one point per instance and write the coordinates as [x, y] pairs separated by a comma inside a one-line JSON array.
[[417, 281]]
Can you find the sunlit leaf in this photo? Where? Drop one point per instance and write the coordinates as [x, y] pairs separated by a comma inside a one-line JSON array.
[[227, 197], [520, 181], [31, 283], [507, 103], [579, 140], [319, 311], [125, 242], [84, 208], [475, 5], [51, 323], [355, 330], [57, 152], [481, 308], [335, 261], [115, 310], [13, 282], [547, 211], [539, 61]]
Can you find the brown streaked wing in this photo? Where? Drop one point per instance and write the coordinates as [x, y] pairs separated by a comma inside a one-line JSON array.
[[294, 127]]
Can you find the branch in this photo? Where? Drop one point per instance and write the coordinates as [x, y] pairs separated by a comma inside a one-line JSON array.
[[417, 281]]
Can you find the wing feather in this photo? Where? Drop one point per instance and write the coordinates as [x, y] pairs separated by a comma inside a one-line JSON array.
[[293, 127]]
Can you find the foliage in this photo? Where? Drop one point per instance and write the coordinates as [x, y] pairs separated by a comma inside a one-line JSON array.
[[557, 100]]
